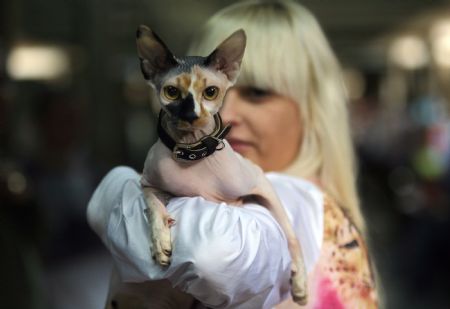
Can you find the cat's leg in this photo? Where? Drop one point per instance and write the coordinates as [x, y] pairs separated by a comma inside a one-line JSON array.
[[159, 225], [265, 194]]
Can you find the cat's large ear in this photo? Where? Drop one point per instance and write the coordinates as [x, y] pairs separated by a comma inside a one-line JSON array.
[[154, 55], [227, 57]]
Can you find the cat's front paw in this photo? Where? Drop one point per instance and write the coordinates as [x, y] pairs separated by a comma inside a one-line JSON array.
[[299, 288], [160, 240]]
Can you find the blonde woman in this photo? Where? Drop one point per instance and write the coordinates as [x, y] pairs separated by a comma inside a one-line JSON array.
[[289, 116]]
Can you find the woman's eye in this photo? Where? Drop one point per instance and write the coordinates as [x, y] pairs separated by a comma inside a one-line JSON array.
[[172, 93], [210, 93], [254, 93]]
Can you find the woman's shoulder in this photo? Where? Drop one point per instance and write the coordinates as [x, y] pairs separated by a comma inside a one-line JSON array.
[[300, 196], [297, 187]]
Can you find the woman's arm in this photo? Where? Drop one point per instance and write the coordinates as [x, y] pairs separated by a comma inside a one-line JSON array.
[[222, 255]]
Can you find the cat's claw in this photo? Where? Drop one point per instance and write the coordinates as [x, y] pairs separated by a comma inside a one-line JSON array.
[[161, 246], [171, 222]]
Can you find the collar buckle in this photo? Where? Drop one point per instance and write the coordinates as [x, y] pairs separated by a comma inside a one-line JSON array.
[[220, 143], [177, 153]]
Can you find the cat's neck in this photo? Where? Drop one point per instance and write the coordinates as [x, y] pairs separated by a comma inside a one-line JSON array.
[[188, 136]]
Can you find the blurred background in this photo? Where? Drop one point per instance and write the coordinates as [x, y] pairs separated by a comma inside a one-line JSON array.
[[73, 104]]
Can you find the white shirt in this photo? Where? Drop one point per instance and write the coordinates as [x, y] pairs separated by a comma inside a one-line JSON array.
[[225, 256]]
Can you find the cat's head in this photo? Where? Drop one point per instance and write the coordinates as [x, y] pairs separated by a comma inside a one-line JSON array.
[[190, 89]]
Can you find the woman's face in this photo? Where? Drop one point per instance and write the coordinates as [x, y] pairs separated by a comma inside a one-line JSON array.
[[266, 126]]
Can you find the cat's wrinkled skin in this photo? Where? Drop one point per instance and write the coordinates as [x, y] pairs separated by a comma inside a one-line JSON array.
[[185, 86]]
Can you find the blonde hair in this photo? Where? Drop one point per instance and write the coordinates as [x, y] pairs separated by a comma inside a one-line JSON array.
[[288, 53]]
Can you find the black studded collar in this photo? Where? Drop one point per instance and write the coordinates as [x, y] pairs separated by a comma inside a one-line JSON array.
[[204, 147]]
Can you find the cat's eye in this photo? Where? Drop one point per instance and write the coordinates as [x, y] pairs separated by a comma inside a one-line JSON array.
[[172, 93], [211, 93]]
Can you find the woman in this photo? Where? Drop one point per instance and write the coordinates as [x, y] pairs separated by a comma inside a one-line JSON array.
[[289, 115]]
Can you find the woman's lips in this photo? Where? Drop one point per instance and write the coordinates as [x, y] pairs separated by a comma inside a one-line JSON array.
[[239, 145]]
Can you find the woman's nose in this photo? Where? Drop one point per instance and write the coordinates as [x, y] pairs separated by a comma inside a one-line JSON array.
[[230, 109]]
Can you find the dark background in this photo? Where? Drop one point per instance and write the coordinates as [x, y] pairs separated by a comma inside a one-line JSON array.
[[60, 135]]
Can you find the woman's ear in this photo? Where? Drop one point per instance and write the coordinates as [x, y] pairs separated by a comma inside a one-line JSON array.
[[154, 55], [227, 57]]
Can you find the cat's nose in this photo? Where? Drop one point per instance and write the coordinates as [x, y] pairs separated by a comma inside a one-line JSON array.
[[187, 110], [189, 116], [184, 109]]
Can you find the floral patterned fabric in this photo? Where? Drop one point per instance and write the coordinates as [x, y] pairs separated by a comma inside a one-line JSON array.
[[343, 277]]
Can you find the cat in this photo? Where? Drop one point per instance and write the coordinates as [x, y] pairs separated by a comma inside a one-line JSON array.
[[191, 157]]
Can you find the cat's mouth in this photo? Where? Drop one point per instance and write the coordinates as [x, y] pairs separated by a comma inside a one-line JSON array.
[[197, 124]]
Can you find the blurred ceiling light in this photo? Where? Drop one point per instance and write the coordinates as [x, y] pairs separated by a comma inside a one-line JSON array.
[[37, 62], [440, 42], [409, 52], [17, 182]]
